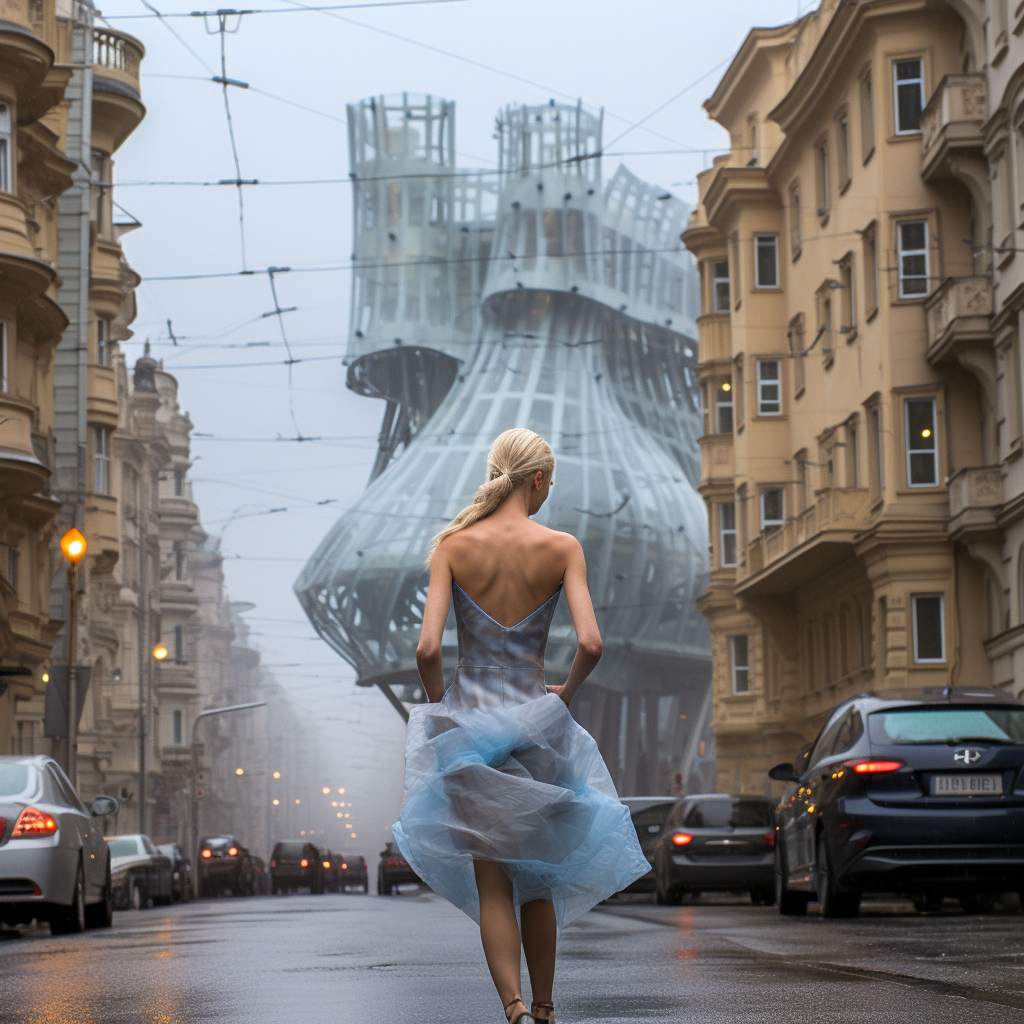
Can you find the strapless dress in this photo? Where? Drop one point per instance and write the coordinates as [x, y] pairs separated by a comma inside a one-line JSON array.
[[499, 770]]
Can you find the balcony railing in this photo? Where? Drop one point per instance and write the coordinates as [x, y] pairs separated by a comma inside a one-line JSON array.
[[716, 457], [117, 53], [958, 309], [953, 118], [975, 496]]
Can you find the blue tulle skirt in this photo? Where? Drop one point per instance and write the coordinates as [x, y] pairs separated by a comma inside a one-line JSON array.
[[523, 785]]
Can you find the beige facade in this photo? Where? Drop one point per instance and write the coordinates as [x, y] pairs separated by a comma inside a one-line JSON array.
[[840, 434]]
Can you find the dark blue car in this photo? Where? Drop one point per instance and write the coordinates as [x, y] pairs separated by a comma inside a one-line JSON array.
[[918, 794]]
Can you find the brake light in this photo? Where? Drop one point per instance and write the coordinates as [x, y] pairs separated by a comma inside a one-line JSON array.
[[3, 826], [206, 853], [869, 767], [344, 867], [769, 839], [32, 822], [682, 838], [304, 863], [327, 863], [233, 852]]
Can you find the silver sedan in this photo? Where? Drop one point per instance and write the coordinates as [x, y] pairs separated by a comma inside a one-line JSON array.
[[54, 863]]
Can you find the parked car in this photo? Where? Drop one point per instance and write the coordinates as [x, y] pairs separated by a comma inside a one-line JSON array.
[[331, 869], [54, 865], [353, 873], [224, 865], [296, 865], [393, 870], [140, 873], [717, 841], [649, 814], [181, 871], [260, 877], [914, 793]]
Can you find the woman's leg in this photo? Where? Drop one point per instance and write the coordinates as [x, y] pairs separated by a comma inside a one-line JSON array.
[[540, 933], [499, 929]]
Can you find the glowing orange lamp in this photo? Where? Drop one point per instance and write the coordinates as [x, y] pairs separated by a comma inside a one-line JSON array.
[[73, 544]]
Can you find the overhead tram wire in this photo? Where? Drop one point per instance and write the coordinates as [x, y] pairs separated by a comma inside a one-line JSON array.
[[277, 10]]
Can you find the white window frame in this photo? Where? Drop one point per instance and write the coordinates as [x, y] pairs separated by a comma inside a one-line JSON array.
[[101, 460], [914, 599], [769, 241], [726, 533], [6, 149], [726, 404], [897, 84], [902, 254], [932, 436], [769, 525], [716, 280], [736, 666], [766, 382]]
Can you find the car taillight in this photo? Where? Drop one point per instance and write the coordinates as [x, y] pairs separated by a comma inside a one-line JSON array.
[[273, 863], [769, 839], [206, 853], [327, 863], [344, 867], [32, 822], [682, 838], [869, 767], [3, 826], [233, 852], [304, 863]]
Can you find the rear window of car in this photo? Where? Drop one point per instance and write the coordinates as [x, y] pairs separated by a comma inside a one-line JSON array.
[[652, 818], [14, 779], [289, 851], [738, 813], [218, 842], [124, 847], [909, 726]]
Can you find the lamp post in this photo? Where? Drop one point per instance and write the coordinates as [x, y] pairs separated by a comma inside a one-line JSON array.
[[159, 654], [72, 546], [195, 759]]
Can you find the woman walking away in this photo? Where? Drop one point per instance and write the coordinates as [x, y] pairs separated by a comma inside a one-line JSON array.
[[508, 804]]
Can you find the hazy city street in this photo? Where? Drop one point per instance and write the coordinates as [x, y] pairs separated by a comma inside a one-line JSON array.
[[414, 958]]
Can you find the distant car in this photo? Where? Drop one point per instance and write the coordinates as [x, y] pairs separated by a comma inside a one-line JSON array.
[[54, 865], [716, 841], [224, 865], [353, 873], [260, 877], [181, 871], [648, 814], [331, 869], [141, 874], [393, 870], [914, 793], [296, 865]]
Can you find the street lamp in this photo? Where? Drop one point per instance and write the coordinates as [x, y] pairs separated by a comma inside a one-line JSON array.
[[160, 652], [72, 546]]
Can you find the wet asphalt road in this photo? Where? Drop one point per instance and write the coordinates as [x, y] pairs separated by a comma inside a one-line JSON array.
[[412, 958]]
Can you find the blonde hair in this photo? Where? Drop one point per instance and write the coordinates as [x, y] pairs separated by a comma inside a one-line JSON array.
[[514, 457]]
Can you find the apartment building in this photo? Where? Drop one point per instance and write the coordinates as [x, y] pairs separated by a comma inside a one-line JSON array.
[[839, 427]]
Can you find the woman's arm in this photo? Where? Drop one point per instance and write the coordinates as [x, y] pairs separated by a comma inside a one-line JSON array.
[[435, 614], [581, 608]]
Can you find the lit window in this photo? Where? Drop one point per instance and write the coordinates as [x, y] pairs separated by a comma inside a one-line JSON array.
[[912, 257], [769, 387], [773, 508], [922, 452], [908, 86], [727, 533], [723, 408], [929, 634], [6, 146], [766, 261], [720, 283], [739, 666], [101, 460]]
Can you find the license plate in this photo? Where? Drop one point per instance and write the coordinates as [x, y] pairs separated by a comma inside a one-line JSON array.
[[967, 785]]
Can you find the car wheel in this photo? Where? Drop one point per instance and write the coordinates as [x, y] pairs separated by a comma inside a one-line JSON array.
[[101, 915], [792, 904], [71, 920], [834, 902], [135, 900]]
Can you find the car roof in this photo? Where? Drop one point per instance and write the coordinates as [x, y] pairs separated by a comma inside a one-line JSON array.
[[34, 759], [640, 803], [934, 695]]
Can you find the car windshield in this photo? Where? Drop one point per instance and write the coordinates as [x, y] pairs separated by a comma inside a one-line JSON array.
[[946, 725], [124, 847], [13, 779], [652, 816], [289, 851], [735, 813]]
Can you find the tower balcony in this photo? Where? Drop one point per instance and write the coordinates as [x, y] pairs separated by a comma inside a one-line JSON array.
[[951, 123], [117, 92], [714, 339], [975, 497], [717, 464], [958, 314]]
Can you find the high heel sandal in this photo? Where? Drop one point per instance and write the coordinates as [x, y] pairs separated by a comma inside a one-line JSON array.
[[523, 1018], [550, 1007]]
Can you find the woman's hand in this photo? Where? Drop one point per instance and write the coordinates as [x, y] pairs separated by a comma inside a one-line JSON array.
[[559, 691]]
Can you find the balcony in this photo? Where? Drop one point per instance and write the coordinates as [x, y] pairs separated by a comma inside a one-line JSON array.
[[715, 338], [951, 123], [806, 546], [117, 95], [716, 462], [178, 514], [958, 314], [975, 497]]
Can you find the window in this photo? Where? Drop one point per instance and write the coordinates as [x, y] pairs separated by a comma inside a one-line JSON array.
[[769, 387], [11, 568], [101, 460], [738, 664], [6, 146], [766, 261], [843, 149], [720, 285], [867, 116], [102, 342], [5, 363], [870, 235], [772, 509], [908, 94], [848, 320], [922, 452], [929, 635], [179, 645], [821, 177], [179, 482], [723, 409], [795, 240], [912, 257], [176, 719], [727, 533], [877, 453]]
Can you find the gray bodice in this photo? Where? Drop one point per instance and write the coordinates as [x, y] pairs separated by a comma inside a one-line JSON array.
[[498, 664]]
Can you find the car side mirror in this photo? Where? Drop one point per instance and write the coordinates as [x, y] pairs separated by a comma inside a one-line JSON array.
[[103, 806], [783, 773]]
